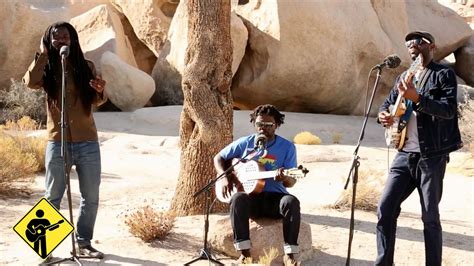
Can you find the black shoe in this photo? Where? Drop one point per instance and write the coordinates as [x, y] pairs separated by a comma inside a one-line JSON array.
[[90, 252]]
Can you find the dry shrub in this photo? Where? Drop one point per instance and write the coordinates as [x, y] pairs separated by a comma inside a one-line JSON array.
[[20, 156], [307, 138], [149, 224], [18, 101], [336, 137], [16, 164], [23, 124], [269, 256], [29, 145], [466, 122], [368, 191]]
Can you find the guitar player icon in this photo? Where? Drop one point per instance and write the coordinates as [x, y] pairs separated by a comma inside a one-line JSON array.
[[36, 232]]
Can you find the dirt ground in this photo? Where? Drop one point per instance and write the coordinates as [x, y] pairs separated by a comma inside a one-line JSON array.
[[140, 168]]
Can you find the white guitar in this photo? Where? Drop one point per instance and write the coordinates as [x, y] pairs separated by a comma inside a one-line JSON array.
[[394, 136], [252, 176]]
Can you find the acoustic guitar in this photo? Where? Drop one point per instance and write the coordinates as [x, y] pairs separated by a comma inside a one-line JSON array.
[[252, 175], [395, 135], [40, 230]]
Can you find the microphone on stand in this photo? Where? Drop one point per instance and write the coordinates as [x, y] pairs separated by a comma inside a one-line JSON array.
[[64, 52], [391, 61], [261, 144]]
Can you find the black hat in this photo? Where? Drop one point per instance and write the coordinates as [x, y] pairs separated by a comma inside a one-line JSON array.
[[423, 34]]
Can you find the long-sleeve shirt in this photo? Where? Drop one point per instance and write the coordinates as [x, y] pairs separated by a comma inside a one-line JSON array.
[[80, 122]]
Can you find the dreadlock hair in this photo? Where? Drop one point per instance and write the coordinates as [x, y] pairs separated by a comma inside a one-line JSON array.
[[82, 73], [267, 109]]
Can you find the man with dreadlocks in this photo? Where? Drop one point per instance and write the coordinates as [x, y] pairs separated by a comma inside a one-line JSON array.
[[84, 89], [274, 201]]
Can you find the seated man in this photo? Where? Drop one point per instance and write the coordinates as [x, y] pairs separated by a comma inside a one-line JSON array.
[[274, 201]]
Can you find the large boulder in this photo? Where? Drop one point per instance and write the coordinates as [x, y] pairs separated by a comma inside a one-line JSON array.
[[21, 28], [150, 19], [465, 8], [70, 8], [314, 56], [464, 65], [100, 30], [128, 88], [144, 57], [265, 234], [23, 23], [170, 64]]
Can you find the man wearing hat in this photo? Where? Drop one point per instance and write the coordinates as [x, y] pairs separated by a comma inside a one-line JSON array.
[[432, 133]]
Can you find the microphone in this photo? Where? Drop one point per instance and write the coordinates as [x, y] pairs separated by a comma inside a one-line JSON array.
[[64, 52], [391, 61], [261, 142]]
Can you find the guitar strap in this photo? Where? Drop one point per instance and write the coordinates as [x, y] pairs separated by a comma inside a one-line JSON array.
[[409, 104]]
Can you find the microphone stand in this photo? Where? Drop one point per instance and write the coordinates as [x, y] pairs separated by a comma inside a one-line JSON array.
[[354, 170], [205, 252], [65, 156]]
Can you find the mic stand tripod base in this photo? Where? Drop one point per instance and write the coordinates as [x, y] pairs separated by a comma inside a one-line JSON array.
[[204, 255], [73, 257]]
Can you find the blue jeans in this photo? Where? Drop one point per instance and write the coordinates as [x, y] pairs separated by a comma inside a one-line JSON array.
[[266, 204], [410, 171], [86, 157]]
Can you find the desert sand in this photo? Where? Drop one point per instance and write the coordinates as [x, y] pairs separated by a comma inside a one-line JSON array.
[[140, 165]]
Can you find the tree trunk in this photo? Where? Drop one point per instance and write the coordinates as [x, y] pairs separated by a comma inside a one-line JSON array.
[[206, 119]]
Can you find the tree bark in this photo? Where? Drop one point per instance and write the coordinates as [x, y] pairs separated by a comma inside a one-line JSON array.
[[206, 120]]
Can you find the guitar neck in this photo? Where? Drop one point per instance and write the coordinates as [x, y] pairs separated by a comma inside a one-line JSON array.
[[260, 175], [396, 106], [408, 75], [264, 174]]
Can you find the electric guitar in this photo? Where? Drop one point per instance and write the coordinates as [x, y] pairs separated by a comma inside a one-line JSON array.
[[252, 176], [395, 134], [40, 230]]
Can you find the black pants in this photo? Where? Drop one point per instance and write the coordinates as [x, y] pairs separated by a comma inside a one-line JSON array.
[[270, 205], [409, 172]]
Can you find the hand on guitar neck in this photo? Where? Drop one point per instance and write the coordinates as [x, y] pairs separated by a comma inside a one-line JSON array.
[[287, 181], [407, 90]]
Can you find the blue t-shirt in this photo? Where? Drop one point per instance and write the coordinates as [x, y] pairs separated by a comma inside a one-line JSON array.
[[280, 153]]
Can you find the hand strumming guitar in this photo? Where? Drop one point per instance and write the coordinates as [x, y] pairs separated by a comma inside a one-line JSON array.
[[385, 118], [228, 184]]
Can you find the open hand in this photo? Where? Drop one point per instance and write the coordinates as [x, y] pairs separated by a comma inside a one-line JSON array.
[[97, 84]]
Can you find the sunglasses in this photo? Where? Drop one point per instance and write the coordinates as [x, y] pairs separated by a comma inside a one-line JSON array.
[[416, 41], [264, 124]]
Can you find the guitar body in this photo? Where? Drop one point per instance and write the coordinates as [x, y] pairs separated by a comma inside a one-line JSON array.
[[395, 135], [250, 183], [252, 176], [252, 186]]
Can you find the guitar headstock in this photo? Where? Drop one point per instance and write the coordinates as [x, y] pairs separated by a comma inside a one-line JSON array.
[[299, 172], [414, 66], [304, 170]]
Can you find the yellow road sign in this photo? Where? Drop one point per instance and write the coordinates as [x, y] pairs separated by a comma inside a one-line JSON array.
[[43, 228]]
